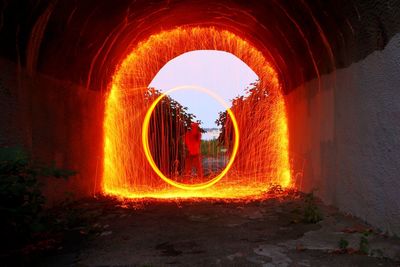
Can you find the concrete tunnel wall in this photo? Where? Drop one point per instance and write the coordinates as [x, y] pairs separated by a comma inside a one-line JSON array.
[[347, 135], [343, 132], [57, 122]]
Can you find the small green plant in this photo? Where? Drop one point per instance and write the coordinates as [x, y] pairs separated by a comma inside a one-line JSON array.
[[364, 243], [312, 213], [21, 200], [343, 244]]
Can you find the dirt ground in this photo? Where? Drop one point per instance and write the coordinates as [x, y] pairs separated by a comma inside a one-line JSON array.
[[264, 232]]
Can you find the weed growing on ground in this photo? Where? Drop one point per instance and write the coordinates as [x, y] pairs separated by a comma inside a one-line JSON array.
[[25, 225], [312, 214], [364, 243], [343, 243]]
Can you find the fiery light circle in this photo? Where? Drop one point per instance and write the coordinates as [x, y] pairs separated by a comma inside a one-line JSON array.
[[145, 139]]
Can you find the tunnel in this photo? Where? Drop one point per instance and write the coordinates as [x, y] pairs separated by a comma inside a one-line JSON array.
[[125, 101], [331, 69]]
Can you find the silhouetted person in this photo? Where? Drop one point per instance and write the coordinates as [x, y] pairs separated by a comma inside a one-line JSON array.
[[193, 155]]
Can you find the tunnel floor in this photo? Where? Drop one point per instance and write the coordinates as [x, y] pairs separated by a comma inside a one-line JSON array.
[[264, 232]]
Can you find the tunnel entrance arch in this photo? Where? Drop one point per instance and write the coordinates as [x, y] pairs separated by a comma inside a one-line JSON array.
[[263, 156]]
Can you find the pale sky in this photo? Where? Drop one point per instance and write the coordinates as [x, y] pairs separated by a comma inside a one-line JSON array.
[[219, 71]]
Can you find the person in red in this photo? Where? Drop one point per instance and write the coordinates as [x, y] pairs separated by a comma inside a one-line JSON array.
[[193, 154]]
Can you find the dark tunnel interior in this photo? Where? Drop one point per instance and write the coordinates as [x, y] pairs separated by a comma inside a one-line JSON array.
[[336, 61]]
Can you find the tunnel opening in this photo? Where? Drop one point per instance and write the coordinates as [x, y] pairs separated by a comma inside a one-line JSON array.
[[337, 64], [214, 80], [262, 159]]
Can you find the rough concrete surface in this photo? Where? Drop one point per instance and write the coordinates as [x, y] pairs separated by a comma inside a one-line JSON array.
[[57, 122], [346, 128], [266, 232]]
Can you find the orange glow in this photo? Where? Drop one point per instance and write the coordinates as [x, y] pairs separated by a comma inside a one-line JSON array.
[[145, 141], [262, 158]]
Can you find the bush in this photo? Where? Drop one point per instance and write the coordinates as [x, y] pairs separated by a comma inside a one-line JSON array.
[[21, 200], [343, 244], [210, 148], [364, 243], [312, 214]]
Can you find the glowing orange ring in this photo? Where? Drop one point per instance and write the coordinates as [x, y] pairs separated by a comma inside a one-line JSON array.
[[145, 140]]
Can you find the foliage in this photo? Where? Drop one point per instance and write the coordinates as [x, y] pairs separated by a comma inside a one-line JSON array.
[[210, 147], [312, 214], [168, 108], [343, 243], [168, 124], [364, 243], [254, 94], [21, 200]]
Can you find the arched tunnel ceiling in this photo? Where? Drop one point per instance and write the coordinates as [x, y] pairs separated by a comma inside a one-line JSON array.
[[83, 41]]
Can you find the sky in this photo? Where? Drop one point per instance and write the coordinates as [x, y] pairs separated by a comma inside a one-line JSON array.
[[219, 71]]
